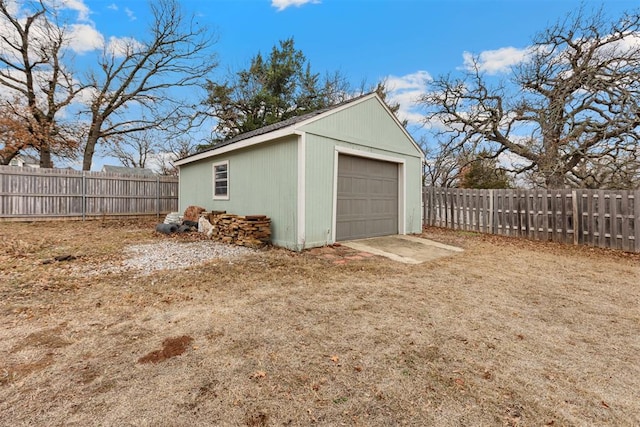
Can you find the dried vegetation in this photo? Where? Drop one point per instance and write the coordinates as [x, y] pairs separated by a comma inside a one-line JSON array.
[[509, 332]]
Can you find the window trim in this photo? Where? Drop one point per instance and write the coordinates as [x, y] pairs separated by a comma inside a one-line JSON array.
[[213, 171]]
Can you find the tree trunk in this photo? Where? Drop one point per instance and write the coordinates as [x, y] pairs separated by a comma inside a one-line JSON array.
[[45, 156], [554, 180], [90, 147]]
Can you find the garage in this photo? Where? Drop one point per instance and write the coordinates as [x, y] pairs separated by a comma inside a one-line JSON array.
[[347, 172], [367, 198]]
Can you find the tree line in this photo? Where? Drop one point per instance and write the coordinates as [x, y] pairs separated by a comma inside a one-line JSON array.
[[568, 114]]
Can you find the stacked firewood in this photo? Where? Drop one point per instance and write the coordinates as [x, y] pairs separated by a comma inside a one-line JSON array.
[[253, 231]]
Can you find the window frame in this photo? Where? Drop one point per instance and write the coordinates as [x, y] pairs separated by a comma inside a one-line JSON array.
[[215, 180]]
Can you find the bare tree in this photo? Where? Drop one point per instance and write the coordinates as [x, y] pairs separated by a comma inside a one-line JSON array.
[[442, 168], [14, 135], [570, 107], [151, 149], [134, 150], [140, 85], [32, 69], [171, 150]]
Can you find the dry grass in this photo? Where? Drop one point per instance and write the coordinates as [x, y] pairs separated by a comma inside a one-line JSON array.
[[507, 333]]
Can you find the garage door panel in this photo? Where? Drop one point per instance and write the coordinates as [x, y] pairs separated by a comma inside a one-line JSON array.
[[367, 199]]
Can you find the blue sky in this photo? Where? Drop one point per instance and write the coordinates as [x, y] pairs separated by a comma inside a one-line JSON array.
[[403, 41]]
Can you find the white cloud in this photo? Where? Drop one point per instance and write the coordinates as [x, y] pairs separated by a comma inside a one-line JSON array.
[[123, 46], [13, 7], [77, 5], [83, 38], [113, 6], [405, 90], [130, 14], [496, 61], [283, 4]]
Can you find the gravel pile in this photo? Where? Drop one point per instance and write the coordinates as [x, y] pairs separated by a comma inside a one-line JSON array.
[[171, 255]]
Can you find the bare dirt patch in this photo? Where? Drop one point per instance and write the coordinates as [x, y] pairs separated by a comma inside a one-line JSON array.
[[171, 347], [508, 332]]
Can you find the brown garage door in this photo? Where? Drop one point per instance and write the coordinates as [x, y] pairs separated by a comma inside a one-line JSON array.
[[367, 204]]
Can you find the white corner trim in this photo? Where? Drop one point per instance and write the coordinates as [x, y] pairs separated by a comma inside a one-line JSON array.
[[335, 196], [402, 198], [302, 170]]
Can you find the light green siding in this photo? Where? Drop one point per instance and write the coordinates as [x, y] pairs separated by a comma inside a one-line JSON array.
[[262, 181], [319, 192], [367, 124]]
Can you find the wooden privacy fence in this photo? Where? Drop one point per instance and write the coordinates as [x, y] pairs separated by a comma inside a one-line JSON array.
[[603, 218], [28, 194]]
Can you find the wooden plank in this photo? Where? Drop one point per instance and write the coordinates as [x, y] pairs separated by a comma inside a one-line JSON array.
[[624, 214], [491, 219], [574, 216], [598, 215], [635, 217]]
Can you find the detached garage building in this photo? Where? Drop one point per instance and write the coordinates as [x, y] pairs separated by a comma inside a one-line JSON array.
[[347, 172]]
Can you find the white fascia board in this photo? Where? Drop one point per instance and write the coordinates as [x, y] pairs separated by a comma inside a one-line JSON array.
[[289, 130], [301, 231]]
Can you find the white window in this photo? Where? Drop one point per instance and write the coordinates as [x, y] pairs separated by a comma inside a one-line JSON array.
[[221, 181]]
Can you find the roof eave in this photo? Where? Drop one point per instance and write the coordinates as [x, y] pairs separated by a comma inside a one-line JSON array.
[[289, 130]]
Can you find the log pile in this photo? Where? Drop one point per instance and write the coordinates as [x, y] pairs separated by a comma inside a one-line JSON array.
[[253, 231]]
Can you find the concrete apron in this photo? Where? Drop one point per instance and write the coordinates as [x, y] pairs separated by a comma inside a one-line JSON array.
[[406, 249]]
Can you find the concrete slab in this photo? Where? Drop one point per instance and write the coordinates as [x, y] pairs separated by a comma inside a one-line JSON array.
[[406, 249]]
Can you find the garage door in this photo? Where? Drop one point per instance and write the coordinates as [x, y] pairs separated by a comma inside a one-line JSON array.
[[367, 204]]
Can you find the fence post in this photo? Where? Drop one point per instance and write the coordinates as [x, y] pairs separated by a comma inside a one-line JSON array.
[[432, 201], [636, 220], [84, 194], [491, 204], [157, 197], [576, 219]]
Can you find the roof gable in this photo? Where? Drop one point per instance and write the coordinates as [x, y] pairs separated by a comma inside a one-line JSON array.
[[288, 127]]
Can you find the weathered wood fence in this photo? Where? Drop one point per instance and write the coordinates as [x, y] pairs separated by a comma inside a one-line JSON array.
[[28, 194], [603, 218]]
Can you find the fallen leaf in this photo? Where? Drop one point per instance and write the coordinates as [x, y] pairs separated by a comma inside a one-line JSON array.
[[603, 403], [358, 368], [459, 381], [259, 374], [335, 359]]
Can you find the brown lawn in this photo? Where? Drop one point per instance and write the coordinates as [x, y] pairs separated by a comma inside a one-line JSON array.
[[508, 332]]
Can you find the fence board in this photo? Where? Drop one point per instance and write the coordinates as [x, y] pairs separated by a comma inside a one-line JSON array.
[[30, 194], [603, 218]]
